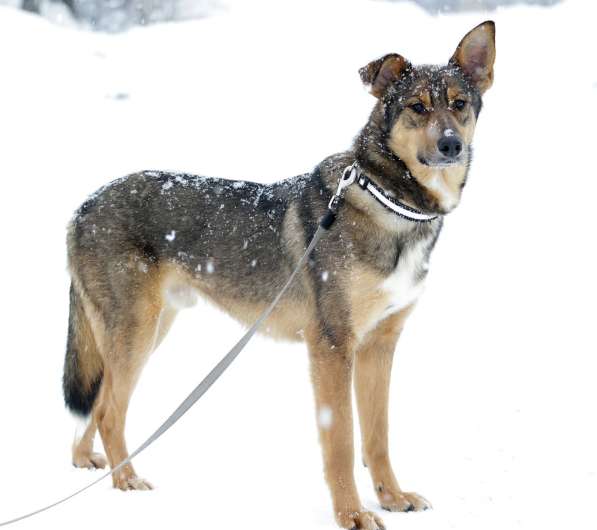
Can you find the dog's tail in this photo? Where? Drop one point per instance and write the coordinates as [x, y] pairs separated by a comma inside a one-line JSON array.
[[83, 365]]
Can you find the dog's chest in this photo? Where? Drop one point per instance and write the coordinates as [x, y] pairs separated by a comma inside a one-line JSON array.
[[405, 284], [381, 296]]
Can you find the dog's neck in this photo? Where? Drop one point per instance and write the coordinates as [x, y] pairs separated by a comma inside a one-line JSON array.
[[378, 161]]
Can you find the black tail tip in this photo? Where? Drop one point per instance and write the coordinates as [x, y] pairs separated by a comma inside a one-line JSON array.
[[78, 399]]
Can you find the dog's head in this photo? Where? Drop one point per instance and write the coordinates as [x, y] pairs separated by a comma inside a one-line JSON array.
[[429, 113]]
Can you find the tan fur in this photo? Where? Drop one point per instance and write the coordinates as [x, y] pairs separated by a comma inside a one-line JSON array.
[[413, 135], [128, 350], [367, 212], [90, 337], [367, 301], [287, 322], [476, 55], [122, 354], [83, 455], [331, 374], [373, 368], [424, 97], [382, 72]]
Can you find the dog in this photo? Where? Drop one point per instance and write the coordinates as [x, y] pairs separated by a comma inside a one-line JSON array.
[[147, 245]]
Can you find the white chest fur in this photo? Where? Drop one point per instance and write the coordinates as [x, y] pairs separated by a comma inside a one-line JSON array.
[[396, 291], [405, 284], [446, 197]]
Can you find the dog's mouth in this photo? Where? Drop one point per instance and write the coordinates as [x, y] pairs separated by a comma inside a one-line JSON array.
[[441, 162]]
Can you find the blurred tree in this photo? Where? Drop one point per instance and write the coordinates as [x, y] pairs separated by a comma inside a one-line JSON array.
[[446, 6], [118, 15], [34, 6]]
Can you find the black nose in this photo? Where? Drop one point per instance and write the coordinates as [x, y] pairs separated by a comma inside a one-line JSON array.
[[449, 146]]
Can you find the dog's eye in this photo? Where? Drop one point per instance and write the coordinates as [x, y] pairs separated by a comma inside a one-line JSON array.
[[459, 104], [419, 108]]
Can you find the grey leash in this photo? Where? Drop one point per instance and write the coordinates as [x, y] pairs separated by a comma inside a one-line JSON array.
[[348, 177]]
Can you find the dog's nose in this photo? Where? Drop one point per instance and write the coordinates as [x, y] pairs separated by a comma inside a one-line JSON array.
[[449, 146]]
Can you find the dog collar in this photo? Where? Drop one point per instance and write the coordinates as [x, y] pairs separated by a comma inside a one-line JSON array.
[[388, 202]]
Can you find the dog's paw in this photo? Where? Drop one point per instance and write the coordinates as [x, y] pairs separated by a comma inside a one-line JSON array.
[[126, 483], [90, 461], [360, 519], [402, 501]]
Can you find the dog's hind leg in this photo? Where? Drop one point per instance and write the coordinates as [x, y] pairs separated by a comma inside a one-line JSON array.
[[83, 455], [110, 415], [133, 336], [373, 365]]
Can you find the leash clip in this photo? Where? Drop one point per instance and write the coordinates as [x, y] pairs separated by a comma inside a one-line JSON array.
[[349, 176]]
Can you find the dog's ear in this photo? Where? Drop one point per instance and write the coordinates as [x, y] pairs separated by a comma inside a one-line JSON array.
[[475, 55], [380, 74]]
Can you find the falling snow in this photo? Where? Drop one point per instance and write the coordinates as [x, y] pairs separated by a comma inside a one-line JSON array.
[[467, 454], [325, 417]]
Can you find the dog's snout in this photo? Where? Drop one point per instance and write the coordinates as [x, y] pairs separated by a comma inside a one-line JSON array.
[[449, 146]]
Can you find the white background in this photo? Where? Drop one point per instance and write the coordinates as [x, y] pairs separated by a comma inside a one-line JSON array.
[[493, 394]]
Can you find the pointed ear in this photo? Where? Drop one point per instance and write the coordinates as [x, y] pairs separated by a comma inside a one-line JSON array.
[[380, 74], [475, 55]]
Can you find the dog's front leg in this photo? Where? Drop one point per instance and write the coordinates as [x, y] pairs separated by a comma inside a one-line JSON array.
[[373, 365], [331, 373]]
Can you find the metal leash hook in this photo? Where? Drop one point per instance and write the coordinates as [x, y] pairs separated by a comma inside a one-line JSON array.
[[349, 176]]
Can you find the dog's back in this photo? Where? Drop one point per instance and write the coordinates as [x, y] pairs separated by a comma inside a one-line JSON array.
[[154, 240], [229, 229]]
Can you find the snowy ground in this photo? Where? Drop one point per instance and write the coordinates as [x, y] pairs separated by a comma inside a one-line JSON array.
[[494, 394]]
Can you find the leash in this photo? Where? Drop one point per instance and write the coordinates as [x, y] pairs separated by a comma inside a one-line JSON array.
[[348, 177]]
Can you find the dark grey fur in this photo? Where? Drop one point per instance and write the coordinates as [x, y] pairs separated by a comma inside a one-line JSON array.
[[235, 236]]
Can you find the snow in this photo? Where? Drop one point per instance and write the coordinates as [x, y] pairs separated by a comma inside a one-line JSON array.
[[325, 417], [171, 236], [493, 391], [81, 425], [181, 297]]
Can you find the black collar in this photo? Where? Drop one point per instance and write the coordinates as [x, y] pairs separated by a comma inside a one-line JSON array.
[[392, 204]]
